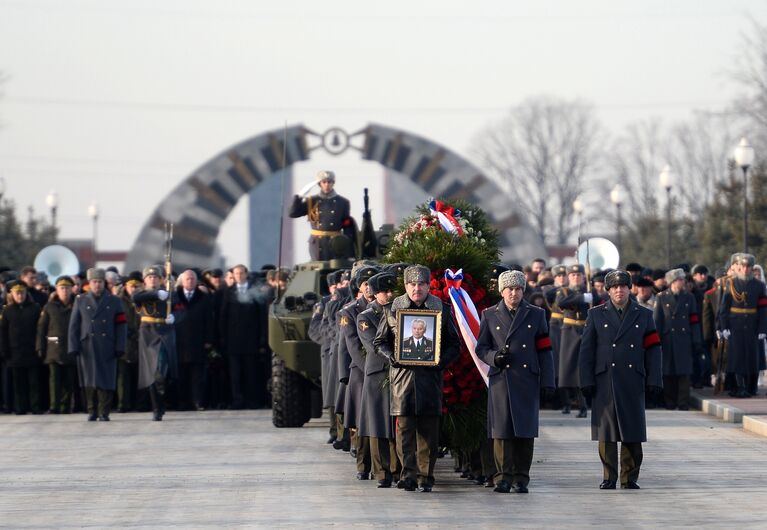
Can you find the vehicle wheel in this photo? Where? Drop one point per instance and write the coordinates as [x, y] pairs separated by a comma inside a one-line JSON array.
[[291, 399]]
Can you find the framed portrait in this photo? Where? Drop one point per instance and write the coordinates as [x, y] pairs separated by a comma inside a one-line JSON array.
[[418, 337]]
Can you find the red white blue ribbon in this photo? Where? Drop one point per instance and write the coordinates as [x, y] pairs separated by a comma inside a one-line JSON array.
[[447, 216], [466, 315]]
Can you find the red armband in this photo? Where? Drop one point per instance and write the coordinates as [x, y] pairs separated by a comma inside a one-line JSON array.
[[542, 342], [762, 301], [178, 307], [120, 318], [650, 340], [346, 222], [694, 318]]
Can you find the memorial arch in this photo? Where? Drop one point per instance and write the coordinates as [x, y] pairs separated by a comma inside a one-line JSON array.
[[200, 204]]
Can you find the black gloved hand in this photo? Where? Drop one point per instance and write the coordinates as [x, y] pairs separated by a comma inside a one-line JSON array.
[[344, 380], [502, 359], [589, 391], [654, 391], [548, 392]]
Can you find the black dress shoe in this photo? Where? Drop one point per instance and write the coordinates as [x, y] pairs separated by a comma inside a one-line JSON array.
[[385, 483], [104, 418], [607, 485], [363, 476], [583, 413], [480, 480], [353, 452], [331, 440], [490, 483], [566, 409], [156, 416], [407, 484], [424, 488], [342, 445], [502, 487], [630, 485], [92, 417], [518, 487], [465, 474]]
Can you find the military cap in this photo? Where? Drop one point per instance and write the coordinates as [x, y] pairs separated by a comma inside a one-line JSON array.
[[559, 270], [325, 174], [134, 277], [346, 275], [657, 274], [64, 280], [633, 267], [214, 273], [96, 274], [497, 270], [417, 274], [699, 269], [383, 281], [744, 259], [511, 279], [617, 277], [363, 274], [684, 266], [16, 286], [111, 276], [397, 269], [8, 276], [675, 274], [643, 282], [575, 268], [360, 264], [515, 267], [599, 277], [155, 270], [332, 277]]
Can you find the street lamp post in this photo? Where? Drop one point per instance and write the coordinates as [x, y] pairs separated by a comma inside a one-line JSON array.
[[93, 212], [616, 196], [744, 157], [666, 178], [52, 200]]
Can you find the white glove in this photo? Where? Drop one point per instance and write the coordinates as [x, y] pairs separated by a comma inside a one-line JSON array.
[[170, 319], [718, 335], [762, 336], [726, 334], [162, 295], [306, 189], [588, 297]]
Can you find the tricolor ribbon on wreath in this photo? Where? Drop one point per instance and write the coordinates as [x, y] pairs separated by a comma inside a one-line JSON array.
[[447, 216], [466, 316]]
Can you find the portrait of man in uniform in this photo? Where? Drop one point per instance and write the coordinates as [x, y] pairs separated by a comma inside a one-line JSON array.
[[417, 346]]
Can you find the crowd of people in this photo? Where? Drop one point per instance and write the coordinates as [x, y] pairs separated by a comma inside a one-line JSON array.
[[72, 344], [617, 341]]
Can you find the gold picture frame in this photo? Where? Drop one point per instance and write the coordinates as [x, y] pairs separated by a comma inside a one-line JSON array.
[[418, 337]]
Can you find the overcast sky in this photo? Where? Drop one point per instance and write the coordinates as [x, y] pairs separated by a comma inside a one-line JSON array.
[[116, 102]]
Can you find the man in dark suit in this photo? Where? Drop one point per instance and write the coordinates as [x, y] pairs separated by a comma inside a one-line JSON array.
[[620, 360], [417, 347], [514, 340]]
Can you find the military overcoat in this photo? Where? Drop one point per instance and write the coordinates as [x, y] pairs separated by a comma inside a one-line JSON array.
[[356, 353], [514, 392], [375, 418], [743, 311], [678, 323]]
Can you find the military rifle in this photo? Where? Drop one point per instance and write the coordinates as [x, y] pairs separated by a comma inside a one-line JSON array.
[[368, 243], [721, 349], [168, 265]]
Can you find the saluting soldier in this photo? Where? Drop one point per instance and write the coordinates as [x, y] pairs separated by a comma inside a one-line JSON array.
[[574, 301], [678, 323], [97, 336], [158, 362], [352, 347], [375, 419], [328, 215], [52, 343], [18, 328], [514, 341], [417, 390], [743, 321], [620, 360]]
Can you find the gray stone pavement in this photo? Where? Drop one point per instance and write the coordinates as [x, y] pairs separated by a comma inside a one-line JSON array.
[[233, 469]]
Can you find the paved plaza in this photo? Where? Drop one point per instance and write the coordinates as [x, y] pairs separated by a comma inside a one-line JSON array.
[[234, 469]]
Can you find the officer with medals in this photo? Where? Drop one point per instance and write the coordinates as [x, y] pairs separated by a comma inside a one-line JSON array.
[[328, 215], [620, 360], [157, 338], [743, 323], [514, 341]]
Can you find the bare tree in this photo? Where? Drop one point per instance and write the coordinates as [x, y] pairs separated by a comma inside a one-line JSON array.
[[636, 160], [541, 151], [750, 71]]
